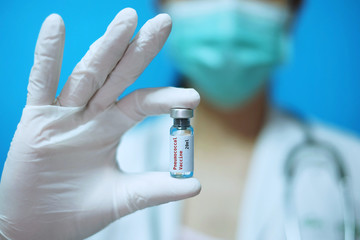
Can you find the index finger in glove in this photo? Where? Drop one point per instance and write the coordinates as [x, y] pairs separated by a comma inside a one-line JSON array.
[[154, 101], [45, 73], [90, 73]]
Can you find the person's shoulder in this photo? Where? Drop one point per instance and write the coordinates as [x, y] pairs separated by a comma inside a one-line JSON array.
[[320, 128], [336, 134]]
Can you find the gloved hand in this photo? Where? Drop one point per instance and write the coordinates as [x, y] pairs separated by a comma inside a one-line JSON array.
[[61, 179]]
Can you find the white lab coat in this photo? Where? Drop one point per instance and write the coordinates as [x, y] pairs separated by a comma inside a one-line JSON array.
[[145, 148]]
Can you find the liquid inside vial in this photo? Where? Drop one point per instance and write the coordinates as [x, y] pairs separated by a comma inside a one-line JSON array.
[[181, 146]]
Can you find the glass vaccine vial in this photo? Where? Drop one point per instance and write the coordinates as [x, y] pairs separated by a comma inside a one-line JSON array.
[[181, 143]]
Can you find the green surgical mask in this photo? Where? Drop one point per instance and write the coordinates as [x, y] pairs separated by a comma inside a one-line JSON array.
[[226, 49]]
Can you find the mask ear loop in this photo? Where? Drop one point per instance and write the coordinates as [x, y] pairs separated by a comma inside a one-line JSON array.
[[292, 229]]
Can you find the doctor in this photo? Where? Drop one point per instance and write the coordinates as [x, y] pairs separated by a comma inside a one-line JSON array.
[[244, 148], [61, 180]]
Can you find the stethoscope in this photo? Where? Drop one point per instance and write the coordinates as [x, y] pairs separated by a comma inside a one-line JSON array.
[[292, 163]]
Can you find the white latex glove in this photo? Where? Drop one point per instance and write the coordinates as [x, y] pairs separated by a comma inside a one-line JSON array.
[[61, 179]]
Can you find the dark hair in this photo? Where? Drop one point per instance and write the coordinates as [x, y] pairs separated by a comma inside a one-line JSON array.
[[293, 4]]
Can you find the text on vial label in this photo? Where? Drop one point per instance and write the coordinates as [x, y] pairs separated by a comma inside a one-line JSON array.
[[181, 150]]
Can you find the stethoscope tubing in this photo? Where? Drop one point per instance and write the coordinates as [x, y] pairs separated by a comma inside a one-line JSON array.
[[292, 229]]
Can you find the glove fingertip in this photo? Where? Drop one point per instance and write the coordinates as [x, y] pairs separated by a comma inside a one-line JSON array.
[[189, 187], [127, 15], [54, 20], [156, 188], [195, 96], [183, 97], [165, 19], [173, 189]]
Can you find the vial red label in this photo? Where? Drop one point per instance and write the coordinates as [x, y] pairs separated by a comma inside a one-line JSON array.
[[182, 153]]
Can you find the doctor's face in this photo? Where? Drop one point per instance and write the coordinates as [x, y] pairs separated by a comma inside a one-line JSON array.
[[227, 49]]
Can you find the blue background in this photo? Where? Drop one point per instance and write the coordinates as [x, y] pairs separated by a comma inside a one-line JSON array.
[[322, 80]]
